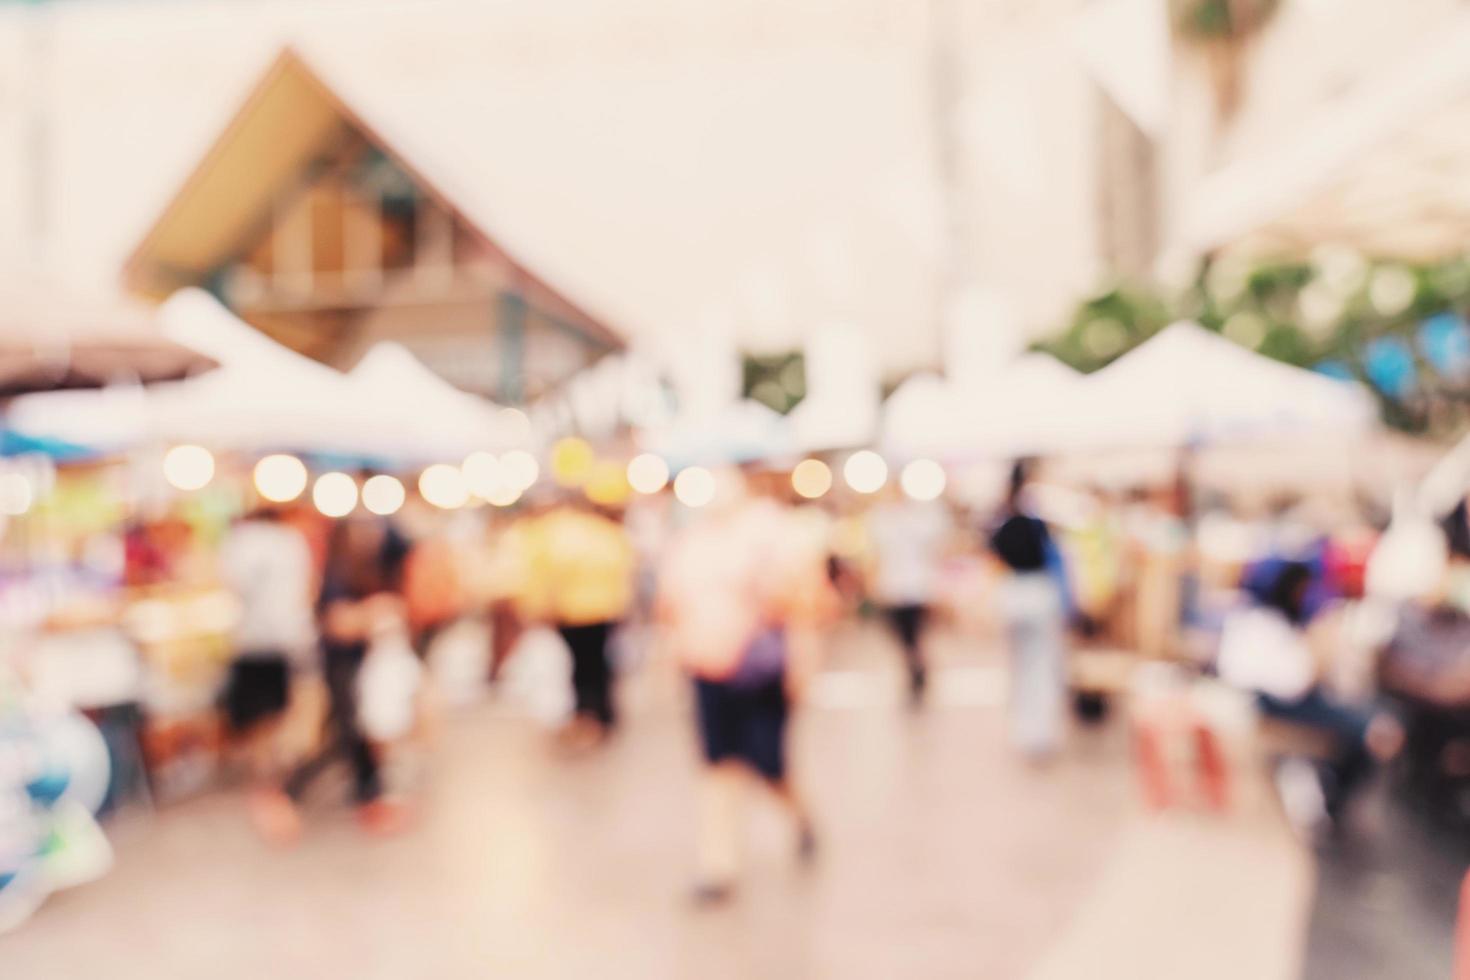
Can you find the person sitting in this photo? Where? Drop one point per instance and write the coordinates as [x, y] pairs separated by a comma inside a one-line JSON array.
[[1264, 649]]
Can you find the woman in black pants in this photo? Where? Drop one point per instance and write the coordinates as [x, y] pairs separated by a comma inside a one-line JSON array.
[[360, 588]]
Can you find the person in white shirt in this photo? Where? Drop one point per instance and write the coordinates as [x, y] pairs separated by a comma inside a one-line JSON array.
[[1265, 649], [267, 564], [908, 539]]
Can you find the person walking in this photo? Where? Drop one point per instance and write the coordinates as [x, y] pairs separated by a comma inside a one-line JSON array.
[[742, 593], [267, 564], [908, 539], [579, 575], [1033, 607], [360, 598]]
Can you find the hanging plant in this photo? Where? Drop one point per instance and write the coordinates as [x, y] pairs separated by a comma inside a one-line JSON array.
[[1221, 31]]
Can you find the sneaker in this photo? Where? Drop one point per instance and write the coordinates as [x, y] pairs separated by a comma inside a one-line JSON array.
[[806, 844], [384, 818], [710, 894], [582, 735], [276, 817]]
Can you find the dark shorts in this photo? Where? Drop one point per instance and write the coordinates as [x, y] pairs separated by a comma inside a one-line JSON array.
[[258, 690], [746, 724]]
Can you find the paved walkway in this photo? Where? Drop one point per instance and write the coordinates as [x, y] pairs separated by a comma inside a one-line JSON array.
[[942, 856], [1388, 895]]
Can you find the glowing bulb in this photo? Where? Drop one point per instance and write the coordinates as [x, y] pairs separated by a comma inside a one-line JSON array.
[[16, 494], [923, 479], [648, 473], [515, 428], [334, 494], [520, 469], [865, 471], [188, 467], [383, 494], [572, 460], [505, 493], [481, 473], [280, 478], [695, 487], [443, 486], [811, 479], [607, 484]]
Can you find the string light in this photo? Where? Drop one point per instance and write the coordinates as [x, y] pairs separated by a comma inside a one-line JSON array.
[[334, 494], [188, 467], [280, 478], [695, 487], [383, 494], [865, 471], [648, 473], [811, 479]]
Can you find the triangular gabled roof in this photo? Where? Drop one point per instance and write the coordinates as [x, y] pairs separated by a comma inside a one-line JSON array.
[[282, 124]]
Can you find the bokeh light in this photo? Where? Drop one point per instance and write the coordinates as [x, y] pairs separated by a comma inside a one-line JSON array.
[[923, 479], [572, 460], [648, 473], [334, 494], [519, 469], [695, 487], [607, 485], [811, 479], [505, 494], [188, 467], [383, 494], [481, 473], [444, 486], [865, 471], [280, 478], [515, 427], [16, 494]]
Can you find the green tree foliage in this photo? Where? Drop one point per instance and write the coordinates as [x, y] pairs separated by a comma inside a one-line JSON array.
[[1323, 313]]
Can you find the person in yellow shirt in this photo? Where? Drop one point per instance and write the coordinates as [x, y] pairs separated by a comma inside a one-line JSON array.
[[577, 574]]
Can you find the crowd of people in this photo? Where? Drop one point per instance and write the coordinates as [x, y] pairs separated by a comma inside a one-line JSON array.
[[339, 620]]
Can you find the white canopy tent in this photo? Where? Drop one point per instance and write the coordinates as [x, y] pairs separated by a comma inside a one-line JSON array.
[[416, 414], [743, 431], [262, 393], [266, 396], [1189, 385], [920, 419], [1026, 407]]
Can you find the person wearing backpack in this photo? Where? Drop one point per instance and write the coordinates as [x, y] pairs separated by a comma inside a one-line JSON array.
[[742, 594], [1034, 604]]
